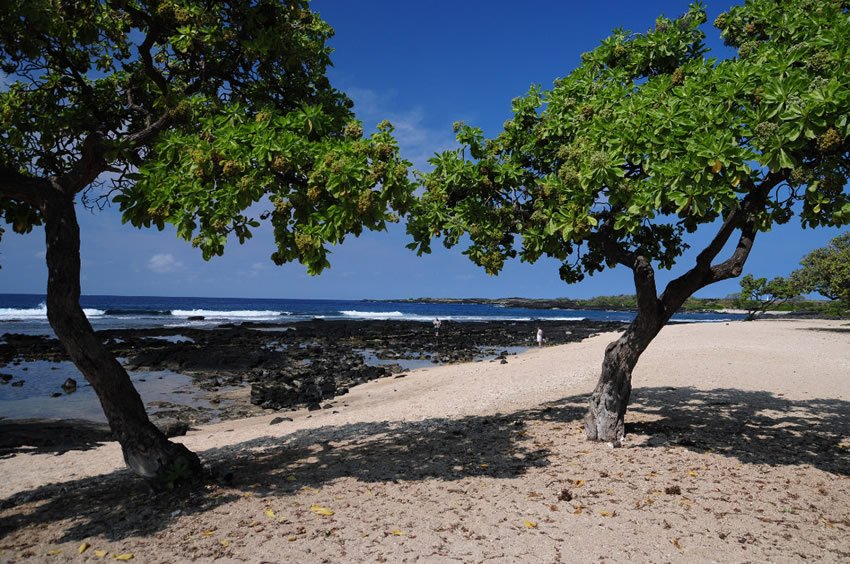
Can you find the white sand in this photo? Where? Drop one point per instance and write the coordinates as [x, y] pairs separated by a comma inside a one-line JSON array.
[[737, 450]]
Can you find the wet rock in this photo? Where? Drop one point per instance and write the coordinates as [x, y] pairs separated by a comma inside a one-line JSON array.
[[5, 378], [278, 420], [173, 427], [17, 383], [195, 318], [69, 386]]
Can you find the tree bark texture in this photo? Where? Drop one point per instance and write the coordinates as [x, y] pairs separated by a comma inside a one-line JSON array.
[[605, 418], [146, 450]]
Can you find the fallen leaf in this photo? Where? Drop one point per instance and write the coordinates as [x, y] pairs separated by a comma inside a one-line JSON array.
[[604, 513], [84, 547], [248, 494], [484, 466], [577, 510], [319, 510], [675, 542], [530, 524], [269, 512], [207, 533], [292, 538], [100, 553], [291, 478], [54, 552], [225, 543], [396, 532], [692, 473], [578, 483], [125, 556]]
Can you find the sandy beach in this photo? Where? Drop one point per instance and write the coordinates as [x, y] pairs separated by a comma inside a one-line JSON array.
[[738, 449]]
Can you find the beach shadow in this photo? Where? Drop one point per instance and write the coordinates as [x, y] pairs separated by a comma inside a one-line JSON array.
[[119, 505], [754, 427], [750, 426], [38, 436]]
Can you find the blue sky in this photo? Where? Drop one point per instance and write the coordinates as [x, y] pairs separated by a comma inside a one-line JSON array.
[[422, 65]]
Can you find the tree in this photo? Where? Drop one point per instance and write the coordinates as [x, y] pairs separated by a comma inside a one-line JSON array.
[[194, 113], [648, 139], [758, 295], [827, 270]]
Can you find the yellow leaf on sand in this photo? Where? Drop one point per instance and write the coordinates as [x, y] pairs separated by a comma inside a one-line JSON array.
[[606, 513], [692, 473], [54, 552], [84, 547], [396, 532], [484, 466], [319, 510], [100, 553], [125, 556], [292, 538], [530, 524], [207, 533], [225, 543], [269, 512], [578, 483]]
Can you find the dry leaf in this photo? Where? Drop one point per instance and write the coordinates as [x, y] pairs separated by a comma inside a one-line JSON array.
[[207, 533], [577, 510], [319, 510], [100, 553], [578, 483], [292, 538], [225, 543], [530, 524], [604, 513], [675, 542], [84, 547], [692, 473], [396, 532], [269, 512], [484, 466], [54, 552], [125, 556]]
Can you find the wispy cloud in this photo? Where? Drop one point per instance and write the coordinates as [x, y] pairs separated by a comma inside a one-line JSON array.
[[255, 269], [164, 263], [417, 139]]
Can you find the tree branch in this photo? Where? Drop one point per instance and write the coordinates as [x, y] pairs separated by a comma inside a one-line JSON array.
[[22, 188]]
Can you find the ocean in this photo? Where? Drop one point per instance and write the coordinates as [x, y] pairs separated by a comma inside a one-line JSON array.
[[27, 313]]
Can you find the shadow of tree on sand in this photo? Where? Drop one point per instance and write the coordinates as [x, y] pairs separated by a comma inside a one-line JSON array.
[[755, 427], [37, 436], [751, 426], [119, 505]]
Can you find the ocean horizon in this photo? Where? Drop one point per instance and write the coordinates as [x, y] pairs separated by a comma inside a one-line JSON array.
[[27, 313]]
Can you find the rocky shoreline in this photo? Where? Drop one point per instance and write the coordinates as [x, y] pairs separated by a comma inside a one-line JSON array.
[[250, 368]]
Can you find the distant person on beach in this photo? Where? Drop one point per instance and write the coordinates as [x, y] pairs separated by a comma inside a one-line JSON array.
[[539, 337], [437, 324]]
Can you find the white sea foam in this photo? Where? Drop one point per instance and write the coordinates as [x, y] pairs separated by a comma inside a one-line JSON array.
[[238, 314], [375, 314], [39, 312]]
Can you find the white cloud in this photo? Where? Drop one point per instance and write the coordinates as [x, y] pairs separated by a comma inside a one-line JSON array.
[[255, 269], [164, 263], [417, 141]]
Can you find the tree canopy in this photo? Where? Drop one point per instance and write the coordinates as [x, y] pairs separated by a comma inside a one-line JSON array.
[[760, 294], [647, 139], [198, 110], [827, 270]]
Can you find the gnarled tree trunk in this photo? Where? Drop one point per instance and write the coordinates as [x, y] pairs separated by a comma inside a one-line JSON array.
[[605, 418], [147, 451]]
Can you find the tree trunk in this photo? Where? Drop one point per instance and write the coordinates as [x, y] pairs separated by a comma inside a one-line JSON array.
[[605, 418], [147, 451]]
